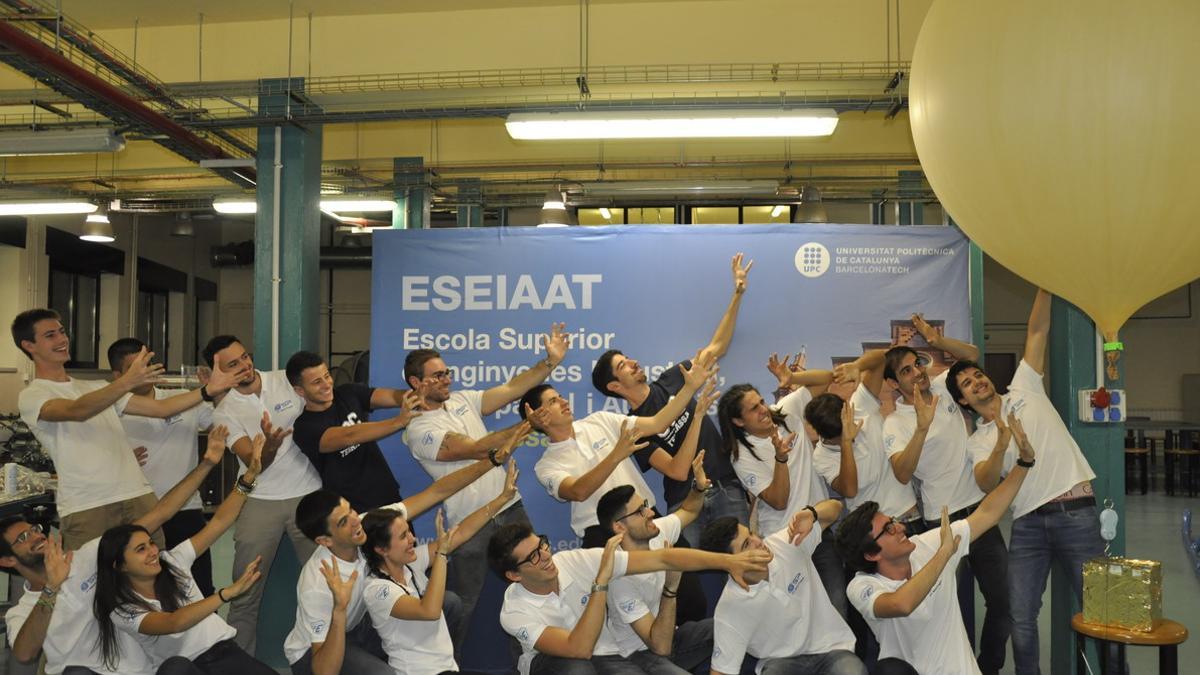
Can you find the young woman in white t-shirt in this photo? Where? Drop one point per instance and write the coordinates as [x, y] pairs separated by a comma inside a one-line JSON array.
[[152, 595], [405, 606]]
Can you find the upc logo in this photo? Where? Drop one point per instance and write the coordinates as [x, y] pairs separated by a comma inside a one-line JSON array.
[[812, 259]]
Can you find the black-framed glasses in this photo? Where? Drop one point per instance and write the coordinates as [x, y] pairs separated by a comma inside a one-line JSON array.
[[888, 528], [536, 556], [446, 375], [641, 509], [24, 536]]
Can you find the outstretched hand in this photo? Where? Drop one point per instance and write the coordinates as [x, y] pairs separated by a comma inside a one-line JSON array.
[[739, 273], [556, 343], [214, 450]]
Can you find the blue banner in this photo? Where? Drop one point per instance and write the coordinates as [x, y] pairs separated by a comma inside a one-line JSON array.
[[484, 297]]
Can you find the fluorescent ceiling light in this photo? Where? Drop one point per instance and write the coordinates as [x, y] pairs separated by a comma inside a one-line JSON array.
[[745, 123], [605, 213], [330, 206], [669, 188], [60, 142], [28, 208], [778, 210]]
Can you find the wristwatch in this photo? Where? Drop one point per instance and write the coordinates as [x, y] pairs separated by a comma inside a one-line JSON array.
[[492, 457], [810, 507], [599, 588], [697, 488], [1026, 464], [205, 396]]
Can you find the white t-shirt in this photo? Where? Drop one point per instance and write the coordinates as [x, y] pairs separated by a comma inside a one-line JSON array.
[[94, 463], [291, 474], [787, 614], [172, 444], [413, 647], [1060, 464], [595, 437], [525, 615], [932, 639], [314, 602], [865, 403], [16, 615], [190, 643], [632, 597], [71, 637], [876, 480], [757, 474], [461, 414], [946, 473]]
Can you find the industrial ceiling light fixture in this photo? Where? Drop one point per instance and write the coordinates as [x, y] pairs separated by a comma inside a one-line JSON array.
[[96, 227], [725, 123], [42, 208], [554, 209], [60, 142], [811, 210]]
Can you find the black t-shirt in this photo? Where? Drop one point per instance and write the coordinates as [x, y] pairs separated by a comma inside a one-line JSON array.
[[358, 473], [716, 462]]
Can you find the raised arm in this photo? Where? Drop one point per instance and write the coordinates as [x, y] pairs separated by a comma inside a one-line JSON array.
[[555, 345], [817, 381], [846, 482], [1038, 332], [186, 617], [724, 334], [826, 512], [232, 505], [658, 632], [694, 560], [327, 656], [776, 494], [176, 497], [441, 489], [905, 463], [335, 439], [993, 506], [218, 383], [140, 373], [428, 606], [457, 447], [579, 488], [676, 466], [275, 436], [866, 369], [579, 642], [703, 367], [959, 349], [987, 472], [27, 645], [693, 503], [905, 600]]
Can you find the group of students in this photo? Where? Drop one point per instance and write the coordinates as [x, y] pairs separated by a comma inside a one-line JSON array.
[[785, 498]]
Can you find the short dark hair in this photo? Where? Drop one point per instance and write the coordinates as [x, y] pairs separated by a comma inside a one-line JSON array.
[[22, 325], [312, 513], [300, 362], [602, 372], [612, 506], [893, 357], [952, 380], [824, 413], [6, 548], [533, 399], [854, 542], [215, 345], [119, 350], [501, 545], [414, 363], [718, 536]]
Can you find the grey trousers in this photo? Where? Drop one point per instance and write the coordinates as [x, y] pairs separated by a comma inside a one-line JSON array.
[[691, 648], [256, 532], [615, 664], [363, 654]]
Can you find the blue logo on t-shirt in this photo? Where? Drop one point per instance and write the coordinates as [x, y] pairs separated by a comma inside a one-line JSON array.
[[88, 583], [796, 580], [627, 606], [283, 405], [460, 411], [583, 600]]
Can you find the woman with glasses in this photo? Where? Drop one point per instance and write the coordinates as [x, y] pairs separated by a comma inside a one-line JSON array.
[[405, 605], [151, 595]]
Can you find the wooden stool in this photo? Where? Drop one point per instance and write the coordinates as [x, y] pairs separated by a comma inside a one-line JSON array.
[[1188, 462], [1167, 636], [1136, 457]]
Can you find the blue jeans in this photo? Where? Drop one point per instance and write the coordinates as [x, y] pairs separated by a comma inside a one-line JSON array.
[[726, 499], [836, 662], [1068, 538]]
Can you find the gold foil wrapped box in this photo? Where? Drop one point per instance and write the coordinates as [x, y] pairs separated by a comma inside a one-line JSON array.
[[1122, 592]]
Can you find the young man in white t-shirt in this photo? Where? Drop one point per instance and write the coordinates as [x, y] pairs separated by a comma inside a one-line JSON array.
[[905, 588], [555, 603], [588, 457], [78, 423], [266, 403], [784, 618], [167, 449], [329, 635], [926, 439], [61, 621], [642, 608], [1054, 516], [450, 434]]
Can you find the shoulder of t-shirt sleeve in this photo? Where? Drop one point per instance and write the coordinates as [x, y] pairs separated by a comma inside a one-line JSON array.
[[30, 402], [669, 527], [122, 403], [755, 476], [671, 379], [729, 644], [183, 555], [551, 471], [625, 601], [811, 540], [380, 595], [793, 404], [642, 457], [314, 612], [827, 464], [229, 414], [1027, 379], [864, 401], [937, 385], [204, 415], [527, 627], [474, 398], [127, 618], [424, 439], [620, 564], [862, 591], [962, 529], [895, 435], [359, 392]]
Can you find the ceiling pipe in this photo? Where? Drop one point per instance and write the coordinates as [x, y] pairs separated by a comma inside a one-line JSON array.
[[195, 147]]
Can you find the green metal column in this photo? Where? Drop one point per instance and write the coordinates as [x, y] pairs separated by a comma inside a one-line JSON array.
[[412, 196], [286, 298], [295, 292], [1073, 351], [470, 207]]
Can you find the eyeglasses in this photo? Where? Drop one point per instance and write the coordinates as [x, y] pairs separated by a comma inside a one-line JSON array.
[[888, 528], [641, 509], [536, 557], [24, 536], [446, 375]]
